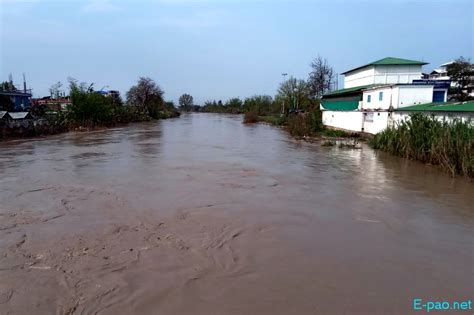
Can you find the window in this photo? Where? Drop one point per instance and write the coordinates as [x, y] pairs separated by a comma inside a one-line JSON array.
[[369, 117], [369, 97], [380, 96]]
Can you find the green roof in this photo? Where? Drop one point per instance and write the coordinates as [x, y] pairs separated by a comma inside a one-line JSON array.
[[351, 90], [440, 107], [392, 61], [342, 104]]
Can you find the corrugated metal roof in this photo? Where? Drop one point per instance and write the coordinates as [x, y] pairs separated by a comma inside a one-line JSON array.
[[341, 104], [15, 93], [2, 113], [391, 61], [19, 115], [440, 107]]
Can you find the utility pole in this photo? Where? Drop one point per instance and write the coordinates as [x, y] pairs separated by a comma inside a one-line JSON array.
[[283, 102], [24, 83], [10, 82]]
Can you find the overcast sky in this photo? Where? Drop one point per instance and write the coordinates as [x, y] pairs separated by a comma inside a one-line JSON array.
[[217, 49]]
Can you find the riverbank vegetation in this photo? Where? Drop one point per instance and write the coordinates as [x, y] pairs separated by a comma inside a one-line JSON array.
[[295, 105], [89, 109], [423, 138]]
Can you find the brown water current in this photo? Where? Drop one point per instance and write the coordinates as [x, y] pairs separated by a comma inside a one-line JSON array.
[[206, 215]]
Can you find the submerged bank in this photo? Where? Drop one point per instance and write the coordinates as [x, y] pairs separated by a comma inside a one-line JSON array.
[[31, 128], [447, 144]]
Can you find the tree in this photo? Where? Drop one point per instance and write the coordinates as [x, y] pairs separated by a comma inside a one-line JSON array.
[[461, 72], [320, 78], [259, 104], [147, 96], [87, 106], [294, 93], [234, 105], [6, 103], [55, 90], [5, 86], [186, 102], [39, 110]]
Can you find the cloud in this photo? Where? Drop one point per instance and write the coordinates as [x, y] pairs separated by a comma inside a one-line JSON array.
[[99, 6]]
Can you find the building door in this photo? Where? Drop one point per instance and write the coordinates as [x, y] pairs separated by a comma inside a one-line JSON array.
[[438, 96]]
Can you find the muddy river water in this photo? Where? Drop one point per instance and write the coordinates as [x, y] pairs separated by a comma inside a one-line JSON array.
[[205, 215]]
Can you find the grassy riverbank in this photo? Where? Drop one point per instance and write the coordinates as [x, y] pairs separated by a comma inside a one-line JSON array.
[[301, 125], [422, 138]]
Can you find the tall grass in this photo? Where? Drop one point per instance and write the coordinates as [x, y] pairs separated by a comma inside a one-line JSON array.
[[307, 124], [423, 138]]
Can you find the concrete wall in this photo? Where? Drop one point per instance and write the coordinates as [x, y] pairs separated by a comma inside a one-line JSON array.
[[375, 122], [344, 120], [397, 117], [370, 121], [407, 95]]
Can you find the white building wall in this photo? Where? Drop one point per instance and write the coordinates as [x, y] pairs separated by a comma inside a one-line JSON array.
[[360, 77], [350, 120], [375, 102], [449, 117], [413, 95], [382, 74], [375, 122], [387, 74]]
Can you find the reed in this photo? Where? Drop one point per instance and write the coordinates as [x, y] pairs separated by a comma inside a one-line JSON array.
[[423, 138], [250, 117]]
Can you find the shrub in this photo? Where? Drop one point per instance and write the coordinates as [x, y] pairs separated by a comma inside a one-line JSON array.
[[260, 104], [306, 124], [250, 118], [426, 139], [334, 133]]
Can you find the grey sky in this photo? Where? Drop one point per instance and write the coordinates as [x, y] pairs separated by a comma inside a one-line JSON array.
[[220, 49]]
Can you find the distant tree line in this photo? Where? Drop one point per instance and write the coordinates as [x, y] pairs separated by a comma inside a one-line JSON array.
[[293, 95], [88, 108]]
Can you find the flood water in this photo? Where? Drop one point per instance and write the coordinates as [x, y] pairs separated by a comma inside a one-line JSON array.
[[205, 215]]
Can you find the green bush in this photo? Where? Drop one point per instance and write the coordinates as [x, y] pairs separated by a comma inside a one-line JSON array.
[[260, 104], [426, 139], [89, 108], [335, 133], [305, 124]]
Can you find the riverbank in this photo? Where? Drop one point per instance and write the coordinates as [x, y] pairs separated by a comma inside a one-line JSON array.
[[31, 128], [306, 126], [449, 145]]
